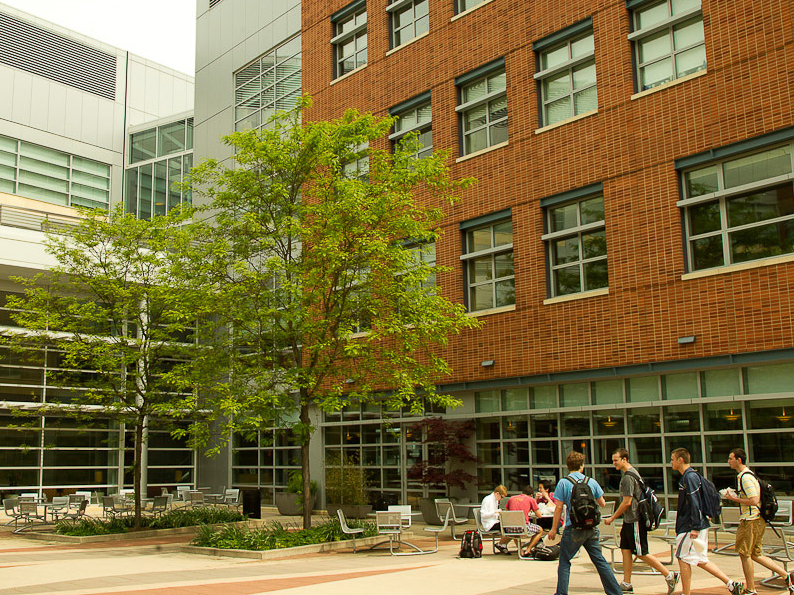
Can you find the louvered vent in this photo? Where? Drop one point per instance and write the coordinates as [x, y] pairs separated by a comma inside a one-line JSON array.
[[31, 48], [213, 2]]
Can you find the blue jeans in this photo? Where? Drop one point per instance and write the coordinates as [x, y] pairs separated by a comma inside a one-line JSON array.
[[572, 540]]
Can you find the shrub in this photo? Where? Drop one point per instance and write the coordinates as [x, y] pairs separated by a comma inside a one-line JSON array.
[[275, 535], [179, 517]]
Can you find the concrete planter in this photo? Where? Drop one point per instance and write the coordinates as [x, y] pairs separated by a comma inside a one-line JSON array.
[[290, 504], [283, 552]]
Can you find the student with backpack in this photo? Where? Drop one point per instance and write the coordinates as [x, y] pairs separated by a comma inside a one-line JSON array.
[[583, 497], [634, 532], [695, 504], [750, 534]]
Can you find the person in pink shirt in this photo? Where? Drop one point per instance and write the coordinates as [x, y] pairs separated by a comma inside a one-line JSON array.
[[527, 504]]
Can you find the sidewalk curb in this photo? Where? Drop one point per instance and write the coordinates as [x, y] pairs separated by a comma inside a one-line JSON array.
[[276, 554]]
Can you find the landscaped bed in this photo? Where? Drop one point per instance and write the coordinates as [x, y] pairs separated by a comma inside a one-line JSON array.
[[170, 520], [275, 535]]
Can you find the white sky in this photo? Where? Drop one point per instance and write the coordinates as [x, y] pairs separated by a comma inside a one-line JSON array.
[[159, 30]]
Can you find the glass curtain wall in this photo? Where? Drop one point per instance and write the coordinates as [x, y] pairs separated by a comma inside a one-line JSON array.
[[162, 157]]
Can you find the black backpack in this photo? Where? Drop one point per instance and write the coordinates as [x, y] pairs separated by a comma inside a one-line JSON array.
[[649, 508], [768, 501], [470, 545], [710, 502], [546, 553], [583, 510]]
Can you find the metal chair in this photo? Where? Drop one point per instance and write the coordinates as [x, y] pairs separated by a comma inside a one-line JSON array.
[[29, 513], [513, 525], [11, 507], [77, 514], [490, 534], [437, 530], [348, 530], [729, 523], [75, 500], [231, 498], [446, 510], [59, 506], [160, 505], [87, 495], [405, 513], [196, 499], [778, 548]]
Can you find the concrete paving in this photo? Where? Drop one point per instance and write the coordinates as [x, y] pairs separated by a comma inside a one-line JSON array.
[[155, 566]]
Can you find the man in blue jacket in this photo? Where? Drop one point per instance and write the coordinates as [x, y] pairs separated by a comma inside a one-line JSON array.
[[692, 527]]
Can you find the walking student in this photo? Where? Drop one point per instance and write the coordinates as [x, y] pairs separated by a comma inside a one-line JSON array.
[[692, 527], [574, 538], [633, 533], [750, 534]]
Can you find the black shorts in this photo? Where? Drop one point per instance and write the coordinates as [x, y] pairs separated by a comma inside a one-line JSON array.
[[634, 537]]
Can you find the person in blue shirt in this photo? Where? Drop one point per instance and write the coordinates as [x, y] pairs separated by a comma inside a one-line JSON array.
[[573, 538]]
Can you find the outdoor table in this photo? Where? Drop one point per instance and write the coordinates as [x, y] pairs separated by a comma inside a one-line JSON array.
[[213, 498], [400, 540]]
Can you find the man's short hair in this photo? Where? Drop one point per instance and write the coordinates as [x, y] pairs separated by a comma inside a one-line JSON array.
[[529, 491], [738, 453], [683, 453], [500, 489], [575, 460], [622, 453]]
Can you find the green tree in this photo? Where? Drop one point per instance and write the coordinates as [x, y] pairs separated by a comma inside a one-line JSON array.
[[114, 305], [322, 250]]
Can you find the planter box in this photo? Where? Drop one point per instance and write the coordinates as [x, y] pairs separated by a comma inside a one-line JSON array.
[[289, 504], [142, 534], [282, 552], [351, 511]]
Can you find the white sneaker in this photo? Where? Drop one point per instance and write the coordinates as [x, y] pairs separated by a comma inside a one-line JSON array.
[[735, 588], [672, 581]]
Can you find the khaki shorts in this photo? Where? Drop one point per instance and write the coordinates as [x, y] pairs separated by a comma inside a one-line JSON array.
[[750, 537]]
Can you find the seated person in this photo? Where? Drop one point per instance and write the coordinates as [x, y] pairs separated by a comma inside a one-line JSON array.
[[544, 496], [489, 516], [526, 503]]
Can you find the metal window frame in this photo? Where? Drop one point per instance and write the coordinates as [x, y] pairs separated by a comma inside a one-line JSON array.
[[491, 252], [392, 10]]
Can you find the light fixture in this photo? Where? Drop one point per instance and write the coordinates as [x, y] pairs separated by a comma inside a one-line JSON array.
[[487, 363], [732, 416], [510, 427], [609, 423], [686, 340], [784, 417], [349, 381]]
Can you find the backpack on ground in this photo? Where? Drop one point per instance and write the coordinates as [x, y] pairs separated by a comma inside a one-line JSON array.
[[768, 501], [710, 502], [649, 509], [546, 553], [583, 510], [470, 545]]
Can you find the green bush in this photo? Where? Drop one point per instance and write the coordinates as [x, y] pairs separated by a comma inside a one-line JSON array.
[[180, 517], [275, 535]]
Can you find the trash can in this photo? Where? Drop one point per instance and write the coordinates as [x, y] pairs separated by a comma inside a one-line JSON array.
[[252, 504]]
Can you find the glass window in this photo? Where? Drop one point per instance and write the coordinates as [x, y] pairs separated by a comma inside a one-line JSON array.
[[486, 401], [514, 399], [680, 386], [644, 420], [143, 145], [543, 397], [770, 414], [720, 383], [575, 395], [645, 451], [644, 388], [675, 50], [569, 91], [577, 246], [544, 425], [488, 429], [468, 4], [607, 392], [418, 122], [489, 266], [682, 418], [483, 112], [608, 423], [350, 42], [171, 138], [769, 379], [515, 427], [576, 424], [723, 416], [269, 84], [409, 21], [755, 224]]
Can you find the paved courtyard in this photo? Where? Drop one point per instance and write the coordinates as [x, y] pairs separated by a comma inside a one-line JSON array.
[[157, 567]]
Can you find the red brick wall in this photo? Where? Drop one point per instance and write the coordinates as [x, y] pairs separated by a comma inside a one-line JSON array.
[[630, 146]]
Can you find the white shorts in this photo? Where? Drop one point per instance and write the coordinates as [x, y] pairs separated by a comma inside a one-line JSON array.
[[692, 551]]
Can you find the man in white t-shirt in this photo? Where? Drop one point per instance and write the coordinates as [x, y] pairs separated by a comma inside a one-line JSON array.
[[750, 534]]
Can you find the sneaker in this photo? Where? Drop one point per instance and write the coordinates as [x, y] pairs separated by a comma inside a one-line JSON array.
[[736, 588], [626, 587], [790, 582], [672, 582], [502, 549], [750, 593]]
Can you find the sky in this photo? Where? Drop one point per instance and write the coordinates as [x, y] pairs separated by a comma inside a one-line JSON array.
[[159, 30]]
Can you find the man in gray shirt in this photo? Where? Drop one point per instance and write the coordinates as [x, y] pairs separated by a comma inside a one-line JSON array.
[[634, 534]]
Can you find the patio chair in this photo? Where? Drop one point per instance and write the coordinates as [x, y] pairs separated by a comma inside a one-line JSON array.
[[348, 530], [196, 499], [513, 524], [389, 524], [113, 506], [11, 507], [437, 530], [28, 497], [75, 500], [484, 535], [783, 518], [87, 496], [777, 547], [182, 494], [445, 509], [29, 513], [160, 505], [729, 523], [60, 505], [77, 514], [231, 498], [405, 513]]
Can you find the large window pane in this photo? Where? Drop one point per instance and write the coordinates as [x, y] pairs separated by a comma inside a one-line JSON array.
[[607, 392], [680, 386], [575, 395], [644, 388], [143, 145], [723, 416], [777, 414], [721, 383], [682, 418]]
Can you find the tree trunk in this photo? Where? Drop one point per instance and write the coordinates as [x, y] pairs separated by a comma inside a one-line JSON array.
[[307, 482], [136, 471]]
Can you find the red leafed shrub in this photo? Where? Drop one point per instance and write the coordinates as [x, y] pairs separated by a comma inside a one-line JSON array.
[[447, 451]]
